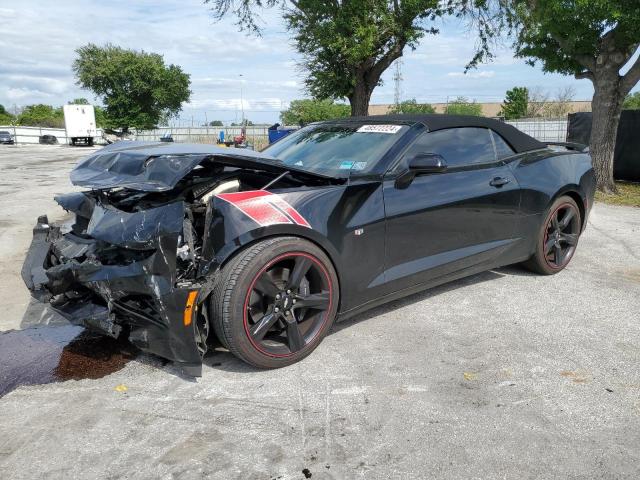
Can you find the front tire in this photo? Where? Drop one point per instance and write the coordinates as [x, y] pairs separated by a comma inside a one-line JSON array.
[[275, 301], [557, 238]]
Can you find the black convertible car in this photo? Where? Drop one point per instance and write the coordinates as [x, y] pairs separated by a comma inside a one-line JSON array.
[[172, 244]]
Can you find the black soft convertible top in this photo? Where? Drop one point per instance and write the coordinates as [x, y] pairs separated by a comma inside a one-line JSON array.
[[519, 141]]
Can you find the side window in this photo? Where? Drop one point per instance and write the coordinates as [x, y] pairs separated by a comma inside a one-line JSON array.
[[503, 149], [458, 146]]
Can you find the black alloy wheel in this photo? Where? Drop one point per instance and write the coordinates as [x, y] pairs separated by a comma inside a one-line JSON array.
[[287, 304], [558, 237], [561, 236], [275, 301]]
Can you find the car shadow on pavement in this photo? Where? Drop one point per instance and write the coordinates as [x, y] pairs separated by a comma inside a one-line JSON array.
[[516, 271], [222, 359], [38, 316], [418, 297]]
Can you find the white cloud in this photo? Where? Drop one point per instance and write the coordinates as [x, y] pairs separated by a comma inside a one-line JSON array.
[[232, 104], [20, 94], [38, 50], [484, 74]]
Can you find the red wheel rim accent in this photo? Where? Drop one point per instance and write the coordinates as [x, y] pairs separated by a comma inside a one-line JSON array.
[[251, 288], [575, 228]]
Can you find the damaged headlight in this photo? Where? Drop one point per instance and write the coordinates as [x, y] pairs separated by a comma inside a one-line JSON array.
[[186, 250], [183, 252]]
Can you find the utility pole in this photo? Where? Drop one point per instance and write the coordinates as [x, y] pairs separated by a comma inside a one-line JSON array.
[[241, 102], [397, 79]]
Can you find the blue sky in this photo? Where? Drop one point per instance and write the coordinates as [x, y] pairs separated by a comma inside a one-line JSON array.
[[38, 39]]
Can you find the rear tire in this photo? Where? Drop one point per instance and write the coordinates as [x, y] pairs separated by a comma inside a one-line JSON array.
[[275, 301], [557, 237]]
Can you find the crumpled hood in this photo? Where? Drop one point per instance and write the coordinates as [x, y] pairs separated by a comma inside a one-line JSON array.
[[157, 167]]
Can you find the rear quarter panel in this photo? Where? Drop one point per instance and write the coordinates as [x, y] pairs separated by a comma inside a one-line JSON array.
[[545, 175]]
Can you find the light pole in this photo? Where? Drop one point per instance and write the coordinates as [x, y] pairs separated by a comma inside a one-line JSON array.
[[241, 103]]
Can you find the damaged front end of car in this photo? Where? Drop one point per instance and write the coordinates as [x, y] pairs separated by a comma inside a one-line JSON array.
[[117, 272], [131, 260]]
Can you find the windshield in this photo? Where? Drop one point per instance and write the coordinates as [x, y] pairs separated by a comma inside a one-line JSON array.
[[336, 149]]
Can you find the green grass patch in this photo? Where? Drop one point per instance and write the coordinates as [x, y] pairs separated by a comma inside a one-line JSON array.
[[628, 195]]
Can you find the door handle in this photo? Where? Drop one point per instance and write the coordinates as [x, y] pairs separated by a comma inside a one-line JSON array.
[[499, 181]]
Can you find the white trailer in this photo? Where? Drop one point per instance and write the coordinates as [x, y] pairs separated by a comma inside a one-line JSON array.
[[80, 124]]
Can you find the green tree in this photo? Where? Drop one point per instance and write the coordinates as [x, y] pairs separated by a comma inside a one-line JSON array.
[[216, 123], [101, 116], [632, 102], [590, 39], [516, 103], [246, 122], [463, 106], [347, 45], [41, 115], [6, 118], [412, 106], [137, 88], [301, 112]]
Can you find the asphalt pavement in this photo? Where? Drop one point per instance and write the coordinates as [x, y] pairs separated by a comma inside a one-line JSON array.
[[504, 374]]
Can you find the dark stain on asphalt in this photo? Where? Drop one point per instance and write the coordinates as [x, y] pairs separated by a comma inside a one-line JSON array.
[[6, 224], [307, 473], [37, 356]]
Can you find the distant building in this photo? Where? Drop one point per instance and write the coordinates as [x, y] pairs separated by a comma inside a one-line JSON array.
[[489, 109]]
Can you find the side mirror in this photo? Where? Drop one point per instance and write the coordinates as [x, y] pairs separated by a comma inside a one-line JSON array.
[[422, 163], [427, 163]]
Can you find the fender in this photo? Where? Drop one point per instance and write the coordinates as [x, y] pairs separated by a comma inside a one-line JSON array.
[[333, 217], [233, 221]]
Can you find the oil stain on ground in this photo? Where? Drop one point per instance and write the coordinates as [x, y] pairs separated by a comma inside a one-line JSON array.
[[576, 377], [632, 274], [36, 356]]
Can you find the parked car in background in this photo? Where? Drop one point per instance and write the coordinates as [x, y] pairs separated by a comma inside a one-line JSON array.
[[6, 138], [48, 140], [175, 244]]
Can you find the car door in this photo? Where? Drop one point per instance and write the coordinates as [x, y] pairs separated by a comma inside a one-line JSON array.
[[443, 223]]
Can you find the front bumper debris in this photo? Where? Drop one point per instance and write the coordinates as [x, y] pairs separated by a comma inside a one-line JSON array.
[[119, 279]]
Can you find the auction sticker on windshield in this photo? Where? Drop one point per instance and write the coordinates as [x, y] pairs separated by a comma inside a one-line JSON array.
[[379, 129]]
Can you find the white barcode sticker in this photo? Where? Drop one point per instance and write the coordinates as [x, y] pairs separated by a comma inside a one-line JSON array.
[[379, 129]]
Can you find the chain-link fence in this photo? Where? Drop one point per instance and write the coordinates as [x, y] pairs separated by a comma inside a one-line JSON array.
[[256, 136], [543, 129], [31, 135]]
